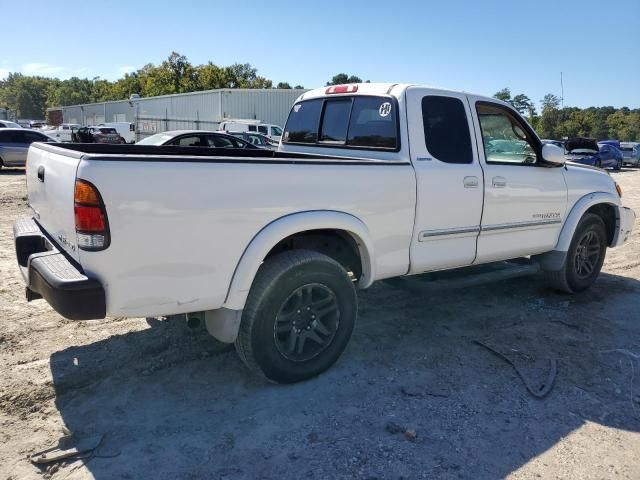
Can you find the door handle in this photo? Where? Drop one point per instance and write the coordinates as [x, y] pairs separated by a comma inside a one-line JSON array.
[[499, 182], [470, 182], [41, 173]]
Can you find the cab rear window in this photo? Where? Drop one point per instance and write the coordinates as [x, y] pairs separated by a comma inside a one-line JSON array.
[[358, 122]]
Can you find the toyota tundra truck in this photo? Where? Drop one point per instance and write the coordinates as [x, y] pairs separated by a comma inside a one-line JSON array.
[[370, 182]]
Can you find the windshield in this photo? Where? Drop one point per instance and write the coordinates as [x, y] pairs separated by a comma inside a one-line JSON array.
[[157, 139], [276, 131]]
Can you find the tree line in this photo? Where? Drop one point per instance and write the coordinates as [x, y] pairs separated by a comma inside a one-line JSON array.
[[556, 122], [29, 96]]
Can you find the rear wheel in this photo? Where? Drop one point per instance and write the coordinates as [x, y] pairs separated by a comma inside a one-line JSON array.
[[584, 258], [298, 318]]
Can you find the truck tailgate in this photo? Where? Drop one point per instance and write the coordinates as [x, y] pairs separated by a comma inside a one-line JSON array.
[[51, 175]]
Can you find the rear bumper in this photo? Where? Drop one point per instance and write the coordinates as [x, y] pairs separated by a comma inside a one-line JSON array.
[[625, 226], [49, 274]]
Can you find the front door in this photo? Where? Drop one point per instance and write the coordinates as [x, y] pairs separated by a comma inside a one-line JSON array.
[[525, 200], [449, 180]]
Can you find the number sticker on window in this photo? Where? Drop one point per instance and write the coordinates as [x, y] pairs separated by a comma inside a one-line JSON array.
[[385, 109]]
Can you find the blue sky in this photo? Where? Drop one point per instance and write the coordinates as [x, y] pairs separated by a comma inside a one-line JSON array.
[[477, 46]]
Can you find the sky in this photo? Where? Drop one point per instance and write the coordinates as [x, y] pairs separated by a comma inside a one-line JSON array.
[[475, 46]]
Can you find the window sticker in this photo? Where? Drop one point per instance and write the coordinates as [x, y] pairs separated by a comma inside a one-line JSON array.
[[385, 109], [296, 108]]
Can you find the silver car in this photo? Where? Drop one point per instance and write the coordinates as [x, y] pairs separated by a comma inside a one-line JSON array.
[[14, 144], [631, 153]]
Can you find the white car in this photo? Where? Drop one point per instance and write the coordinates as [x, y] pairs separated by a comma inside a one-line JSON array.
[[126, 130], [62, 133], [274, 132], [371, 181], [9, 124]]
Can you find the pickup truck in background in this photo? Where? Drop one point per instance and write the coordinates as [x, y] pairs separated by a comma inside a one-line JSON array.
[[370, 182]]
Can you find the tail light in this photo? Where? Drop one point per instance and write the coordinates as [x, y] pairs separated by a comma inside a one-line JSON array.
[[92, 225]]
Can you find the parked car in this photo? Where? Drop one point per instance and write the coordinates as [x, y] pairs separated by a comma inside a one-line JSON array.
[[557, 143], [63, 132], [14, 144], [631, 153], [257, 139], [274, 132], [9, 124], [587, 152], [126, 130], [37, 124], [96, 135], [370, 181], [195, 138]]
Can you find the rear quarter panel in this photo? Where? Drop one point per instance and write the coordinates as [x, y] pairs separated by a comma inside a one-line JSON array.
[[179, 228]]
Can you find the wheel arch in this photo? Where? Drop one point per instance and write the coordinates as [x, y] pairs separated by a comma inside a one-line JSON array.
[[604, 204], [335, 224]]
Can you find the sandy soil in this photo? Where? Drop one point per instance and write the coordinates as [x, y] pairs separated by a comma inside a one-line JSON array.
[[413, 397]]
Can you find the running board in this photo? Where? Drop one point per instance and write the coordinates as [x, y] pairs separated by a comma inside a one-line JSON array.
[[467, 276]]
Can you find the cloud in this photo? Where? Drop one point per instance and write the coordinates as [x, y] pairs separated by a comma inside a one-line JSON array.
[[43, 69]]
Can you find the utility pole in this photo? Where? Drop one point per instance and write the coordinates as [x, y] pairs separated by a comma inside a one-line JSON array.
[[562, 91]]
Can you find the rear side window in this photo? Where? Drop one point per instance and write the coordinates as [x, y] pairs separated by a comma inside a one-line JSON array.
[[302, 126], [446, 129], [360, 122]]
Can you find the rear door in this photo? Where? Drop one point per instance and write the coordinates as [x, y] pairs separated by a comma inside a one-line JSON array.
[[16, 146], [449, 179]]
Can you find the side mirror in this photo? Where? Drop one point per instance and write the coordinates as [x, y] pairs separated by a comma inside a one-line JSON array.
[[553, 154]]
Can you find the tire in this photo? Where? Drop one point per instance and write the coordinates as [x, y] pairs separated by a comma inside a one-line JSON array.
[[598, 163], [619, 165], [298, 318], [575, 276]]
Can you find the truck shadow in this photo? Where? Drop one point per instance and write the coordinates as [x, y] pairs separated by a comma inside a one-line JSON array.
[[412, 396]]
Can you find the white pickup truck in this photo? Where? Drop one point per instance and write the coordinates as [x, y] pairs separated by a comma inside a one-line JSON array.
[[371, 181]]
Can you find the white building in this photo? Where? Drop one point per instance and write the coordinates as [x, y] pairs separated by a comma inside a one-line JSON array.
[[197, 110]]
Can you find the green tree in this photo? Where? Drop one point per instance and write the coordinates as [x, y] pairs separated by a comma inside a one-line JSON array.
[[298, 87], [504, 95], [343, 78], [283, 85]]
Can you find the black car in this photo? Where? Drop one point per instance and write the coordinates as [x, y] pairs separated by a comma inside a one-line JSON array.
[[196, 138], [257, 139]]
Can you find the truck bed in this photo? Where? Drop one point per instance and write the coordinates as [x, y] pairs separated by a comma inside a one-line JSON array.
[[181, 218], [128, 152]]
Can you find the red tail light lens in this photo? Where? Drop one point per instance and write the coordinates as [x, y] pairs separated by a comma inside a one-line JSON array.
[[92, 226], [351, 88], [89, 219]]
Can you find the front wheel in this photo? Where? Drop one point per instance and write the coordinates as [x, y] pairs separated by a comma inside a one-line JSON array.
[[584, 258], [298, 318], [618, 165]]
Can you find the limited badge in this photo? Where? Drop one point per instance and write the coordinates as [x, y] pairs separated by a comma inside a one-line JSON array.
[[385, 109]]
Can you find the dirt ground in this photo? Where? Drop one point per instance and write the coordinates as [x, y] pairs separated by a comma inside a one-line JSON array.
[[414, 396]]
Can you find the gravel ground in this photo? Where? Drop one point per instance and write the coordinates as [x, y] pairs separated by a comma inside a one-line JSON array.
[[413, 397]]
